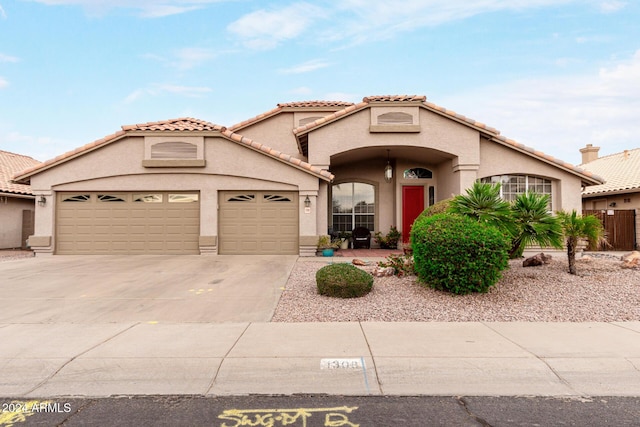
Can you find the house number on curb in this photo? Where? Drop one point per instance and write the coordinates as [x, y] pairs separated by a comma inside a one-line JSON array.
[[342, 363]]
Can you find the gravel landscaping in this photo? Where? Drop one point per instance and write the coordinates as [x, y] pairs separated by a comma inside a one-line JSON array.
[[601, 292]]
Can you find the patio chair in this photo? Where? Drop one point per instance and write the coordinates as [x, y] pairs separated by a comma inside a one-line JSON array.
[[361, 237]]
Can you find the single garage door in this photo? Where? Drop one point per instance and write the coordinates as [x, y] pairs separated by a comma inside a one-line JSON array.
[[258, 222], [128, 223]]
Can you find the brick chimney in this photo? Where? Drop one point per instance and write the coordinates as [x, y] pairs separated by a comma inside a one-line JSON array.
[[589, 153]]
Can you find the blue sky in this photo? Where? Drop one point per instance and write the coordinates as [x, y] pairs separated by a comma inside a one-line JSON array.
[[552, 74]]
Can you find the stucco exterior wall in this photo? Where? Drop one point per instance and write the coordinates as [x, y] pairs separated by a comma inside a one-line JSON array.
[[11, 220], [604, 201], [118, 167], [353, 132], [496, 159], [276, 132]]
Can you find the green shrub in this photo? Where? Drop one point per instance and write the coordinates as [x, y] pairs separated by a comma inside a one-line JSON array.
[[458, 254], [343, 281], [440, 207]]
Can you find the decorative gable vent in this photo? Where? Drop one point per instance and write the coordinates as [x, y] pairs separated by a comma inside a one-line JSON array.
[[174, 150], [395, 118], [308, 120]]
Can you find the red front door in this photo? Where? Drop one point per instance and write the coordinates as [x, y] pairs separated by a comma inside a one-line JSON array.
[[412, 206]]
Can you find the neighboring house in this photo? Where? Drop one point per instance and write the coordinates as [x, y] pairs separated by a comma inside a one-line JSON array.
[[274, 183], [617, 201], [16, 202]]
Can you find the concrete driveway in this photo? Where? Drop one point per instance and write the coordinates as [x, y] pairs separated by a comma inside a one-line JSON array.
[[142, 288]]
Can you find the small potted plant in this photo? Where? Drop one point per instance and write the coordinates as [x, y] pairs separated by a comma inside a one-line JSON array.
[[345, 238], [326, 246], [390, 241]]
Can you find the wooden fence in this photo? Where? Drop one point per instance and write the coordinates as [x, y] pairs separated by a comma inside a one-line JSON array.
[[619, 226]]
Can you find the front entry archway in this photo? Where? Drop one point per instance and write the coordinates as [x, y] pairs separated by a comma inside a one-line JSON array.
[[412, 206]]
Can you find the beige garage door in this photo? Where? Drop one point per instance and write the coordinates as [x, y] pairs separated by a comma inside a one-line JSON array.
[[258, 222], [128, 223]]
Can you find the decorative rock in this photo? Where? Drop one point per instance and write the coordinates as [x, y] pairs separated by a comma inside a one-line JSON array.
[[357, 261], [536, 260], [383, 271], [631, 260]]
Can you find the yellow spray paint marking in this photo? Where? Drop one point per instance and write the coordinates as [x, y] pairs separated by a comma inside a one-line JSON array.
[[153, 322], [333, 417], [200, 291], [18, 411]]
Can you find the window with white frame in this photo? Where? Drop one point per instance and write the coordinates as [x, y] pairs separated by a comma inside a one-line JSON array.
[[353, 205], [513, 185]]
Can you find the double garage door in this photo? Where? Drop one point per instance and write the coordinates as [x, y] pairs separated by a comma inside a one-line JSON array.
[[261, 222], [128, 223]]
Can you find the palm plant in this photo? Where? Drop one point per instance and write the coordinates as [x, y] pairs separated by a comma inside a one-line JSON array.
[[576, 227], [483, 203], [534, 224]]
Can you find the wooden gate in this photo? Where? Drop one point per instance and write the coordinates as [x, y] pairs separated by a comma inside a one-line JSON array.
[[619, 226]]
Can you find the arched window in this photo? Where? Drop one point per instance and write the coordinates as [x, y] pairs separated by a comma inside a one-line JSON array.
[[353, 205], [418, 173], [513, 185]]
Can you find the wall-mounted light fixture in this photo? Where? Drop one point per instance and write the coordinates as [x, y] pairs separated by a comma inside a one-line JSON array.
[[307, 202], [42, 201], [388, 170]]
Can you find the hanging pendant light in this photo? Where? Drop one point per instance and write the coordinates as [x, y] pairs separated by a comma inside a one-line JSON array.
[[388, 170]]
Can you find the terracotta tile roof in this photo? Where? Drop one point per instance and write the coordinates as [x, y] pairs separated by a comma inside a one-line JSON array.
[[10, 164], [395, 98], [492, 133], [300, 164], [177, 125], [621, 172], [181, 124], [320, 104], [329, 105]]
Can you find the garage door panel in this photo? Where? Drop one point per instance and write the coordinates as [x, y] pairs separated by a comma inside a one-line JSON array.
[[98, 223], [253, 222]]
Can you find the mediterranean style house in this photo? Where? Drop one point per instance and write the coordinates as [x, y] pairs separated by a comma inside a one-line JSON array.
[[16, 202], [617, 201], [276, 182]]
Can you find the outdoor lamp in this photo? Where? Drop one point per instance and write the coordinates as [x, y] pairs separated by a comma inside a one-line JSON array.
[[42, 201], [307, 202], [388, 170]]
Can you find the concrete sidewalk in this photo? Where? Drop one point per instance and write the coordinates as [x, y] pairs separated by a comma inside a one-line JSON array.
[[473, 359]]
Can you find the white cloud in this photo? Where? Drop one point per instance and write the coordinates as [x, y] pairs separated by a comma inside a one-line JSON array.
[[157, 89], [185, 58], [3, 82], [560, 115], [3, 14], [265, 29], [8, 58], [303, 90], [305, 67], [191, 57], [612, 6], [366, 20], [145, 8]]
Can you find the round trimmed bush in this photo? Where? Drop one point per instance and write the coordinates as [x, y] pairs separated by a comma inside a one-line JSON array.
[[343, 281], [457, 254]]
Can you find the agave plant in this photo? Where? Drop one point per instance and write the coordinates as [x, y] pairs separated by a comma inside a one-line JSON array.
[[576, 227]]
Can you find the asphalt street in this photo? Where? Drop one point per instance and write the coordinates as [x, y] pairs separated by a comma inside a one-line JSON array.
[[322, 410]]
